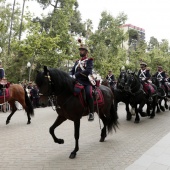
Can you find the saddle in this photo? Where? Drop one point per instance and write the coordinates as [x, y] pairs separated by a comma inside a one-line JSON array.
[[149, 86], [4, 93], [97, 95]]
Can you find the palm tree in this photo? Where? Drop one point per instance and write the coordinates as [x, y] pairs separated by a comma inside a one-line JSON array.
[[21, 19], [12, 17]]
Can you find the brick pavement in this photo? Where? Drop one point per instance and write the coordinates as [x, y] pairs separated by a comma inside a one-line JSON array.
[[30, 147]]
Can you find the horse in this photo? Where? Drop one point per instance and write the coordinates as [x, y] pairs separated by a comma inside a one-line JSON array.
[[161, 95], [119, 94], [138, 96], [13, 93], [55, 82]]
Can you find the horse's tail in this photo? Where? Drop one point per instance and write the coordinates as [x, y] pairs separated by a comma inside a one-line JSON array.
[[30, 108], [113, 119]]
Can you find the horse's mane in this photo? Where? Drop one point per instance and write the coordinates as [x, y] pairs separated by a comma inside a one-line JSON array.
[[61, 80]]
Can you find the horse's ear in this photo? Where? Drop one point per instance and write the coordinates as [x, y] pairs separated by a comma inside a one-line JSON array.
[[46, 70]]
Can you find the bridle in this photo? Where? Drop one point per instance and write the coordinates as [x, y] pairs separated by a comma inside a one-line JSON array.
[[132, 88], [52, 96]]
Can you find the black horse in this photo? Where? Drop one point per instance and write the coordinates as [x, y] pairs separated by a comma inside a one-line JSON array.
[[119, 94], [56, 82], [138, 96], [161, 95]]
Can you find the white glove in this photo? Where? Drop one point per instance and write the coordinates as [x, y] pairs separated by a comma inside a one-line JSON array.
[[73, 76]]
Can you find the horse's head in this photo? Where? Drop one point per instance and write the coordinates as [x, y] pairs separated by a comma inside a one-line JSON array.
[[122, 79], [43, 81], [131, 82], [155, 81], [54, 82], [105, 82]]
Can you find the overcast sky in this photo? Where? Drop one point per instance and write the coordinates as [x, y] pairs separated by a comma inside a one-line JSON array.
[[151, 15]]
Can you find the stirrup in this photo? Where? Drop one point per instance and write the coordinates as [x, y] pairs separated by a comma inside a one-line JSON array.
[[150, 99], [91, 117]]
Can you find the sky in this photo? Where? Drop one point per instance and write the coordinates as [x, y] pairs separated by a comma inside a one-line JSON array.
[[151, 15]]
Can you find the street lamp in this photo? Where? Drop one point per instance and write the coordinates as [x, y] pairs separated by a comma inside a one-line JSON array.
[[29, 69]]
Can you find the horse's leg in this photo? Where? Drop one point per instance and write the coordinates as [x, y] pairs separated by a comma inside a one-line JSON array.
[[161, 107], [157, 106], [153, 107], [76, 136], [166, 105], [103, 131], [140, 109], [57, 122], [148, 109], [129, 115], [14, 109], [137, 118]]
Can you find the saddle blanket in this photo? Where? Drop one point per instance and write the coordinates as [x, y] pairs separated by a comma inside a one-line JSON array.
[[5, 92], [97, 95], [148, 86]]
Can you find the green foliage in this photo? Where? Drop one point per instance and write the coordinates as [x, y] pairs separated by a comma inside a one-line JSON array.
[[52, 40]]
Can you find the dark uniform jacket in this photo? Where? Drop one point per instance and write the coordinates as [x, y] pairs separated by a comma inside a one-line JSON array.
[[81, 69], [2, 73], [144, 74], [110, 78], [160, 75]]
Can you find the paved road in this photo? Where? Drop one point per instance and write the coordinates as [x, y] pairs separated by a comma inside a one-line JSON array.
[[30, 147]]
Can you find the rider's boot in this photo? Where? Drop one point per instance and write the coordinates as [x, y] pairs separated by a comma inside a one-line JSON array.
[[91, 108], [150, 99]]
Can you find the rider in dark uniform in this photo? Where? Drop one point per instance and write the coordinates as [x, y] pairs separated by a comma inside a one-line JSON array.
[[110, 77], [2, 75], [80, 71], [161, 76], [144, 76]]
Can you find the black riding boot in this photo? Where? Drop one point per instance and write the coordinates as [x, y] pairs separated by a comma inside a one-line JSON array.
[[91, 107], [150, 99]]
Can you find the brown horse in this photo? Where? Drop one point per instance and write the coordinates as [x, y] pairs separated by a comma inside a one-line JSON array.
[[54, 82], [16, 92]]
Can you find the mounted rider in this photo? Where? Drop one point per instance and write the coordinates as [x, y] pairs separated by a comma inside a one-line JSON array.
[[2, 76], [111, 78], [144, 75], [162, 78], [81, 70]]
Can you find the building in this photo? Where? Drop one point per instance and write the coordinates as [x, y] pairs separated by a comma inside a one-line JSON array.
[[140, 31]]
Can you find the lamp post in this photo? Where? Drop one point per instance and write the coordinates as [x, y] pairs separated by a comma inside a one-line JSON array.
[[29, 70]]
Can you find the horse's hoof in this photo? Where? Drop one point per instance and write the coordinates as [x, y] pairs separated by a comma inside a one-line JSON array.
[[163, 109], [72, 155], [7, 122], [128, 118], [28, 123], [166, 107], [136, 121], [143, 114], [102, 139], [151, 117], [60, 141]]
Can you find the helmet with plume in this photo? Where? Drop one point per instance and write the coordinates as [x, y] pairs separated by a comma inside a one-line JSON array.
[[82, 46]]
